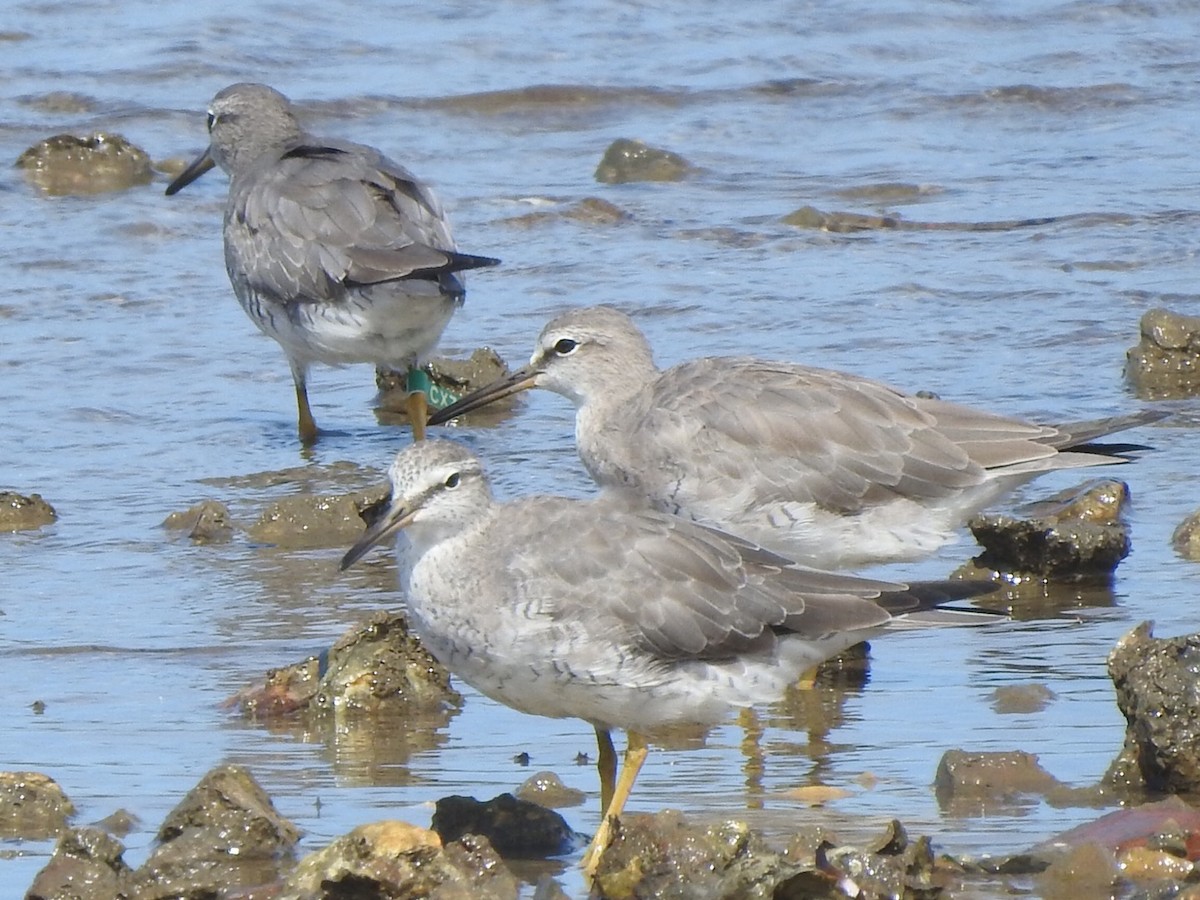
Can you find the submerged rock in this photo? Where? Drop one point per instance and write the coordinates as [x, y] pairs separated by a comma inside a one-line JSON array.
[[1078, 534], [398, 861], [21, 513], [224, 834], [516, 828], [87, 864], [309, 521], [1166, 361], [973, 782], [70, 165], [588, 211], [627, 160], [374, 665], [32, 806], [208, 522], [1158, 692], [1186, 537], [547, 789]]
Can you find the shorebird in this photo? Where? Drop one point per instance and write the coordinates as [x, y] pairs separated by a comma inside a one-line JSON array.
[[829, 469], [620, 615], [335, 251]]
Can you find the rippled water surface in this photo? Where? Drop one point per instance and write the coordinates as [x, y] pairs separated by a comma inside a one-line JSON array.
[[133, 386]]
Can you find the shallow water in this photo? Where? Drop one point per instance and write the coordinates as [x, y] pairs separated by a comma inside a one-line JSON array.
[[133, 385]]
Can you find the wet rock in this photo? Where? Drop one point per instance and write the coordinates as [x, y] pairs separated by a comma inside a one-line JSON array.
[[225, 833], [1158, 692], [119, 822], [32, 806], [21, 513], [67, 165], [1088, 870], [1078, 534], [839, 222], [547, 789], [967, 782], [1186, 537], [1166, 361], [588, 211], [516, 828], [627, 160], [309, 521], [375, 665], [87, 865], [1022, 698], [397, 861], [62, 103], [208, 522], [452, 379], [890, 192]]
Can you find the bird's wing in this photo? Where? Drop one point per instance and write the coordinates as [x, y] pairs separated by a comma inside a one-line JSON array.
[[324, 217], [771, 432]]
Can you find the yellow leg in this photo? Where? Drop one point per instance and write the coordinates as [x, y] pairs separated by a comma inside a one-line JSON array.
[[606, 765], [307, 426], [418, 414], [635, 754], [755, 765], [807, 680]]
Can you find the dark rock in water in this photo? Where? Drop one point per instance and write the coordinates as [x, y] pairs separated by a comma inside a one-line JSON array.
[[662, 855], [87, 865], [376, 665], [66, 165], [397, 860], [1186, 537], [225, 833], [21, 513], [588, 211], [1158, 692], [310, 521], [1079, 534], [516, 828], [1165, 364], [208, 522], [968, 781], [626, 160], [32, 806]]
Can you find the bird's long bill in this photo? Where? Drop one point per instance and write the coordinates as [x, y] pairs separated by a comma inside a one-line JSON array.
[[199, 166], [395, 517], [520, 380]]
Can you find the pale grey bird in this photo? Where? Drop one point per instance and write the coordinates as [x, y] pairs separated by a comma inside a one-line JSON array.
[[829, 469], [335, 251], [623, 616]]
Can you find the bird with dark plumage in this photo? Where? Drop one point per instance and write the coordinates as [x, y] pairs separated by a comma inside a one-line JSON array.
[[335, 251]]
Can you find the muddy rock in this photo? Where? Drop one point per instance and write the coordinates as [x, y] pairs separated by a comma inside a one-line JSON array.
[[208, 522], [547, 789], [21, 513], [1186, 537], [451, 379], [225, 833], [398, 861], [1158, 692], [309, 521], [588, 211], [87, 865], [375, 665], [1077, 535], [627, 160], [515, 828], [66, 164], [1166, 361], [971, 783], [32, 806]]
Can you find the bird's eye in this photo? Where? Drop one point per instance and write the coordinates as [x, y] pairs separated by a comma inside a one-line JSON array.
[[453, 481], [212, 120], [565, 347]]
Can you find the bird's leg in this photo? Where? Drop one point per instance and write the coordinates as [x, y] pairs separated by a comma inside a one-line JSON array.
[[306, 425], [752, 733], [635, 754], [417, 407], [606, 765]]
